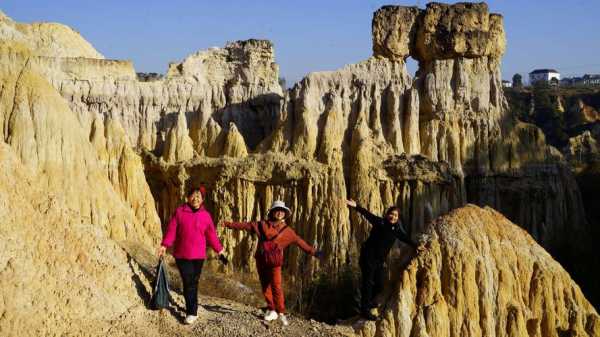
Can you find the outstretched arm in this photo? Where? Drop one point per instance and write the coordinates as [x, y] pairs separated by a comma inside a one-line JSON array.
[[248, 226], [372, 218], [402, 235], [406, 239], [304, 246]]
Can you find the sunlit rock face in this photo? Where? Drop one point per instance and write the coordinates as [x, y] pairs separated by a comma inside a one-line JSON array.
[[69, 199], [238, 83]]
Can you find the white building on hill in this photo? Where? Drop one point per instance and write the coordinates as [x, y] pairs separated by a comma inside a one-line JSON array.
[[543, 75]]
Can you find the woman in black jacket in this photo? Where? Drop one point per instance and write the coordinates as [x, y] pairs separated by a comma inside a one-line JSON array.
[[374, 251]]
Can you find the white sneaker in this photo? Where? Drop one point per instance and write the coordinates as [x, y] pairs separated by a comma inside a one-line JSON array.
[[283, 320], [190, 319], [270, 315]]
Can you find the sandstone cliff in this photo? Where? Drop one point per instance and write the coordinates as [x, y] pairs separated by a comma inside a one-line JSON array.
[[47, 39], [57, 263], [211, 89], [67, 202], [47, 137]]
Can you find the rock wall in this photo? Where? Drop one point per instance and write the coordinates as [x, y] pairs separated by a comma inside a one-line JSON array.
[[211, 89], [68, 202], [60, 271], [583, 155], [48, 139]]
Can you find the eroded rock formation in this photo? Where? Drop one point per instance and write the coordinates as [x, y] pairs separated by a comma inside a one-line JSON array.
[[68, 200], [482, 275], [237, 84], [562, 113], [101, 179]]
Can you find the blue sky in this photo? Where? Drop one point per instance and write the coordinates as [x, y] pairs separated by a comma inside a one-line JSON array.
[[308, 35]]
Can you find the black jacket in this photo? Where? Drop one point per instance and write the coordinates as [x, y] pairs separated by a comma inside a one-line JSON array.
[[382, 236]]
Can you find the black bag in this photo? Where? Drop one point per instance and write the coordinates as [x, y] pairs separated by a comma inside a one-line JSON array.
[[160, 293]]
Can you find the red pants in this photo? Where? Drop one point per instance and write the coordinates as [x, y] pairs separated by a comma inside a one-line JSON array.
[[270, 280]]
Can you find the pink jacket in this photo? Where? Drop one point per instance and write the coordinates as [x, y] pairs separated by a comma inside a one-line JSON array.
[[189, 232]]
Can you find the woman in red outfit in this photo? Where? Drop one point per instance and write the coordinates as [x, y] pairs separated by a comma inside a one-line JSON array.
[[277, 231]]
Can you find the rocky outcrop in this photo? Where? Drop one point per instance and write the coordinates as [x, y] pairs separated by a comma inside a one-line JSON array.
[[583, 152], [47, 137], [561, 113], [581, 108], [57, 261], [236, 84], [66, 205], [47, 39], [583, 155], [178, 146], [453, 111], [394, 29], [482, 275]]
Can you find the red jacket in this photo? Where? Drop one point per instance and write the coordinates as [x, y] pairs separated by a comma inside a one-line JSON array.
[[189, 232], [287, 237]]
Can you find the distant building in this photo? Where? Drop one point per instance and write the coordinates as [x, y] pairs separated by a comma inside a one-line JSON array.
[[591, 79], [587, 79], [545, 75], [506, 84], [568, 81]]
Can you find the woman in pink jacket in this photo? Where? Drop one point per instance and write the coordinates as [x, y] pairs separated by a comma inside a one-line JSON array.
[[189, 231]]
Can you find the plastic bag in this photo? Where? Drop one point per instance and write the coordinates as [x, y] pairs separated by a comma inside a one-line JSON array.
[[160, 293]]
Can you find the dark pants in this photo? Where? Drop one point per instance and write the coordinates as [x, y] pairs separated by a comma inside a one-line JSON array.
[[190, 274], [372, 281]]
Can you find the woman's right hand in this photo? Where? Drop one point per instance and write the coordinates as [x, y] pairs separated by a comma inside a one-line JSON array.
[[351, 203], [161, 251]]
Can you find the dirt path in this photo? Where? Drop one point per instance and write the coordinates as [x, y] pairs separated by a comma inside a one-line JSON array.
[[217, 318]]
